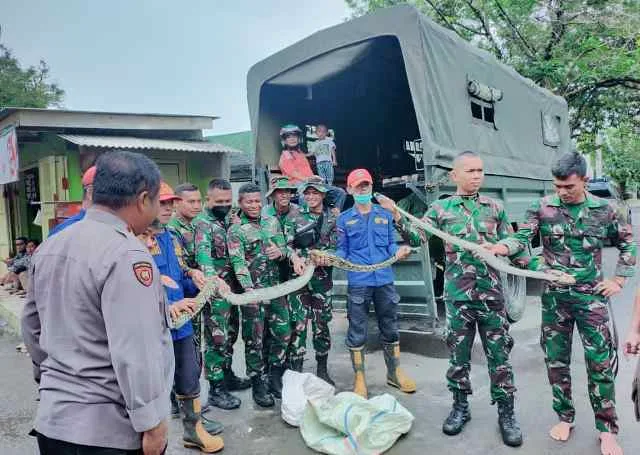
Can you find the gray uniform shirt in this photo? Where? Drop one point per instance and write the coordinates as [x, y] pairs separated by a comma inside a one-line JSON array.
[[96, 325]]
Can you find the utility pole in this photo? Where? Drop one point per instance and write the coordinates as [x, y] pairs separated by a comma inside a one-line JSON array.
[[598, 156]]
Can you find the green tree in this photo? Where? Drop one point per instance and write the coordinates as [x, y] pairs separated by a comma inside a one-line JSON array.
[[26, 87], [621, 155], [587, 51]]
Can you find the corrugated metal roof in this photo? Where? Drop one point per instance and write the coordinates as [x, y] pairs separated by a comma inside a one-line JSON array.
[[6, 111], [124, 142]]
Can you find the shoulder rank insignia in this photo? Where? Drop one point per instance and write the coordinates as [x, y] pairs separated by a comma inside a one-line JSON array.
[[350, 222], [143, 272]]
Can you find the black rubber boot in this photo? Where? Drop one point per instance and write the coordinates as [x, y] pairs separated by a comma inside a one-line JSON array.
[[458, 416], [275, 381], [322, 372], [296, 364], [260, 392], [195, 434], [509, 427], [211, 426], [175, 406], [220, 397], [235, 383]]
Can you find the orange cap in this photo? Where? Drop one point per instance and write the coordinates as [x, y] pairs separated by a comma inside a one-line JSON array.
[[166, 193], [88, 176], [358, 176]]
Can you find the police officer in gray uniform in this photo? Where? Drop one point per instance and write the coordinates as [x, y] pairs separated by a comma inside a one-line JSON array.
[[96, 323]]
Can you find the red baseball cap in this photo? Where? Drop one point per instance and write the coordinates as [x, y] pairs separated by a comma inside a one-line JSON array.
[[166, 193], [89, 176], [358, 176]]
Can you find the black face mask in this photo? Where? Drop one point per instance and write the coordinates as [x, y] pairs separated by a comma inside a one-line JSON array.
[[220, 211]]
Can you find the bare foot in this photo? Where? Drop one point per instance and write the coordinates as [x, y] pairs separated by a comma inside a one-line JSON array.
[[609, 445], [561, 431]]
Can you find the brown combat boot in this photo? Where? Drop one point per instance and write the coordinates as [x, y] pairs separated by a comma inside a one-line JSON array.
[[395, 376], [194, 433], [357, 360]]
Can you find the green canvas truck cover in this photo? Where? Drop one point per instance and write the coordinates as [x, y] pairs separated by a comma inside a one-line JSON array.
[[530, 124]]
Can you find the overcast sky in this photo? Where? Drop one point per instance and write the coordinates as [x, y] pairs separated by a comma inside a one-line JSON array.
[[187, 57]]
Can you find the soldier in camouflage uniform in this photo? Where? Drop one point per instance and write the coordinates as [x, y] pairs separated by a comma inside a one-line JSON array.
[[280, 206], [254, 244], [187, 206], [221, 318], [573, 225], [181, 224], [473, 294], [312, 227]]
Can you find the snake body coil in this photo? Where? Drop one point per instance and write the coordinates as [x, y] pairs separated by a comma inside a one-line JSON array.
[[210, 290]]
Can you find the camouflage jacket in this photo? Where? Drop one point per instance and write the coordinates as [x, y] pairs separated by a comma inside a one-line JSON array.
[[211, 250], [479, 221], [185, 232], [303, 218], [247, 242], [574, 244], [270, 211]]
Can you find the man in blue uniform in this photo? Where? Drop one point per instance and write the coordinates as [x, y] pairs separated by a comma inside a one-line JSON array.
[[366, 236], [167, 254]]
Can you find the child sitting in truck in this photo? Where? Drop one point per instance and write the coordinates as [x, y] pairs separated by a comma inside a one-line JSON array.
[[294, 164], [324, 150]]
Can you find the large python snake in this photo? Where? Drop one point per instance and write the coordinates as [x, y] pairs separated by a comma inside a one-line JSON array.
[[492, 260], [210, 290]]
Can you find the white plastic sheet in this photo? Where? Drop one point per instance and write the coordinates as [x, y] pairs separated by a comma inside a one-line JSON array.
[[297, 389], [347, 424]]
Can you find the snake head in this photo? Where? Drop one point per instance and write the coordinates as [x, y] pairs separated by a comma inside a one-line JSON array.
[[561, 277]]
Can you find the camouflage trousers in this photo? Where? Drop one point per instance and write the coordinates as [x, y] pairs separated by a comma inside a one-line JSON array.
[[314, 303], [221, 327], [277, 332], [270, 320], [252, 335], [560, 311], [490, 318]]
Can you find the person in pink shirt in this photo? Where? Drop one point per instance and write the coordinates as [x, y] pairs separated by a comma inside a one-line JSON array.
[[293, 162]]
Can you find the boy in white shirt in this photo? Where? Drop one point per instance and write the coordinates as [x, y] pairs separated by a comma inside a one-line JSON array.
[[324, 150]]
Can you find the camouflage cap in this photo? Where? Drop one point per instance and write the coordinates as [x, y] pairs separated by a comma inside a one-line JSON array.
[[280, 183], [314, 182]]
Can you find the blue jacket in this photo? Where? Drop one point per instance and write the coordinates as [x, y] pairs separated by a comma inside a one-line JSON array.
[[68, 222], [367, 240], [168, 264]]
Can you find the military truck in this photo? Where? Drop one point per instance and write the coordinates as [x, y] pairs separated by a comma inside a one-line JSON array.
[[405, 96]]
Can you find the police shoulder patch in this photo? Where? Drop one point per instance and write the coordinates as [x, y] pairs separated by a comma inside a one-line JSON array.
[[143, 272]]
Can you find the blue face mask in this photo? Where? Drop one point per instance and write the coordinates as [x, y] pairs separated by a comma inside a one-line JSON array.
[[362, 198]]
